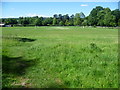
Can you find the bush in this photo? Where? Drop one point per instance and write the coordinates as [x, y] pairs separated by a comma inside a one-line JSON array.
[[94, 26]]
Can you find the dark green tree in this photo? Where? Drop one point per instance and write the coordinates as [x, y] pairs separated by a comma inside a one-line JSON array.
[[116, 13], [77, 19], [38, 21], [10, 21], [109, 19], [119, 22], [93, 19], [47, 21]]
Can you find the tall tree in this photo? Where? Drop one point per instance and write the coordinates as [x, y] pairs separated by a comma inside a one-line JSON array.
[[92, 19], [60, 17], [109, 19], [77, 19], [47, 21], [38, 21], [71, 20], [54, 22], [61, 23], [116, 13], [25, 21], [100, 18], [67, 23]]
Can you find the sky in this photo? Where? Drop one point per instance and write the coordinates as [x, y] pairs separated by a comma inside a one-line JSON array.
[[48, 9]]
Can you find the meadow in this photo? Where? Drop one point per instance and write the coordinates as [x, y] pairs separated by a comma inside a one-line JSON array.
[[59, 57]]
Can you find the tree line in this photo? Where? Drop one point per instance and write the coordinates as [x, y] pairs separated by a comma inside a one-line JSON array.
[[99, 16]]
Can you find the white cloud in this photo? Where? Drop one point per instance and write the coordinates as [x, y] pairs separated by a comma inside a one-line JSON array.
[[34, 14], [9, 17], [83, 5], [27, 15]]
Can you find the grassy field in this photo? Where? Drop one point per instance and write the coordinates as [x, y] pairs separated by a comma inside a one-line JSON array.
[[60, 57]]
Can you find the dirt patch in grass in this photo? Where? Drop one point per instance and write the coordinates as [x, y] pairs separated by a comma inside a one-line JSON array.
[[23, 82], [61, 28]]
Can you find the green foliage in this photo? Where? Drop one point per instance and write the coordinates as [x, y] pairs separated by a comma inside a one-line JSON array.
[[105, 18], [67, 23], [10, 21], [92, 18], [94, 26], [54, 21], [85, 23], [65, 17], [77, 19], [38, 22], [119, 22], [47, 21], [61, 23], [109, 20], [100, 18], [116, 13]]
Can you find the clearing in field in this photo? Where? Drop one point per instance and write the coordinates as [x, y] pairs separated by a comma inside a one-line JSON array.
[[60, 57], [61, 28]]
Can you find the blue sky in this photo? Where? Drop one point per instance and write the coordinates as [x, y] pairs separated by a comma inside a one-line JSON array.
[[17, 9]]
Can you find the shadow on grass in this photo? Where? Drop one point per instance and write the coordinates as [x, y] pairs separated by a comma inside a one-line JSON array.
[[16, 65], [25, 39], [20, 39], [13, 67]]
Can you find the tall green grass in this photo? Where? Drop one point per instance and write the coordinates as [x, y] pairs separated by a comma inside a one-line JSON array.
[[60, 57]]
